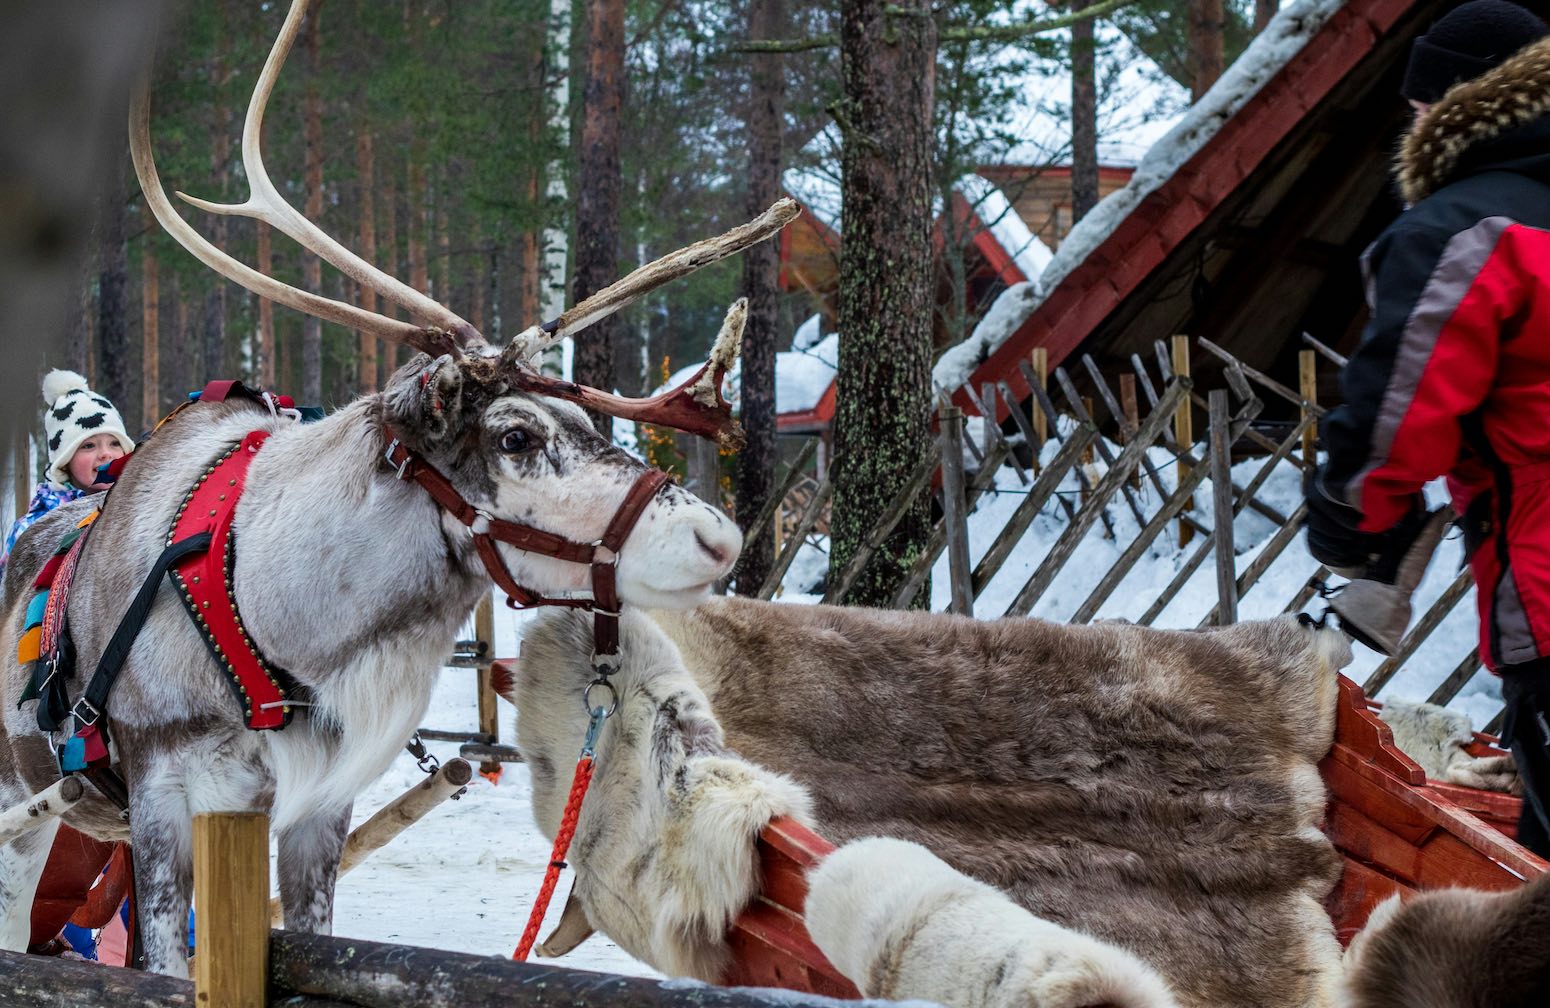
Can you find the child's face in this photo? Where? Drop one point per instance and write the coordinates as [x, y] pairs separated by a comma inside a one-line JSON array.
[[93, 452]]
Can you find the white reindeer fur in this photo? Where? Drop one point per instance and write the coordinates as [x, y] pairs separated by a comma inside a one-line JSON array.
[[900, 922], [1436, 737], [664, 852], [351, 580]]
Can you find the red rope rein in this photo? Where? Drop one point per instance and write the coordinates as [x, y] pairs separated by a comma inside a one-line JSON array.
[[578, 791]]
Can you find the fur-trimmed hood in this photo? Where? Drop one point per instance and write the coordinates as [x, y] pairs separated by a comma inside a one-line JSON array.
[[1448, 138]]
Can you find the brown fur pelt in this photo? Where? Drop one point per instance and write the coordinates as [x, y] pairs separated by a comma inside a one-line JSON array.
[[1457, 948], [1154, 789], [1474, 111]]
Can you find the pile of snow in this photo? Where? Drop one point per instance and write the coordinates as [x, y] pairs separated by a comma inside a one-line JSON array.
[[1282, 39]]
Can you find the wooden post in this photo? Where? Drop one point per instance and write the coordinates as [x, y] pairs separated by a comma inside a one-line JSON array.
[[1221, 495], [21, 470], [489, 712], [954, 509], [1129, 403], [231, 906], [1183, 424], [1308, 380], [1039, 358]]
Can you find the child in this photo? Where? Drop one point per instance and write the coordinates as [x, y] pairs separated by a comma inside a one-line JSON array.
[[84, 432]]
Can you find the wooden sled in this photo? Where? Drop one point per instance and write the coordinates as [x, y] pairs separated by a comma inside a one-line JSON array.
[[1396, 831]]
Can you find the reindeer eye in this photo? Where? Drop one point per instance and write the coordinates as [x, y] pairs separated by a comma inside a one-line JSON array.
[[516, 441]]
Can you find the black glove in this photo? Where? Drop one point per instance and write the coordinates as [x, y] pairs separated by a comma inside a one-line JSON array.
[[1334, 536]]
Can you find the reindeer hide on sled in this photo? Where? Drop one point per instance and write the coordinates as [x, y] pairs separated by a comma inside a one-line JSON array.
[[1153, 790]]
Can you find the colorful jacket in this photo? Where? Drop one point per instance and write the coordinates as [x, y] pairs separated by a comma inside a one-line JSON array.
[[48, 497], [1452, 376]]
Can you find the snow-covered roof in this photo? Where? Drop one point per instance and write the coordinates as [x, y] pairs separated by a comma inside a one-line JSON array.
[[995, 212], [1282, 39]]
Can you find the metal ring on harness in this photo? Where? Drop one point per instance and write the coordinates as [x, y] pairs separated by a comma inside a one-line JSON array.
[[606, 710]]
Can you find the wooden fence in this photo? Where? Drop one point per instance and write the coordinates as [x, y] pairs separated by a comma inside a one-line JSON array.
[[1099, 487]]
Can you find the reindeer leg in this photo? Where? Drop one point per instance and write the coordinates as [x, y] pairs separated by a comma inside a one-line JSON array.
[[21, 866], [162, 836], [309, 867]]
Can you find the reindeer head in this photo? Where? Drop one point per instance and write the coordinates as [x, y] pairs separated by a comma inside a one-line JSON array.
[[511, 441]]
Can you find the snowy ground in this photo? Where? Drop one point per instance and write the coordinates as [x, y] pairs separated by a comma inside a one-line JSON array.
[[464, 878]]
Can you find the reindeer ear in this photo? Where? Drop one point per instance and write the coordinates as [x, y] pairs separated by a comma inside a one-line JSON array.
[[425, 399]]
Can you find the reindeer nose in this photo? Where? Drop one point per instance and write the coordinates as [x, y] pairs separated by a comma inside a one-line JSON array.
[[719, 554]]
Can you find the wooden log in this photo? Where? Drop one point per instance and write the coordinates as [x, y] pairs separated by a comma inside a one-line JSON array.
[[28, 981], [396, 816], [1338, 359], [1222, 510], [489, 712], [765, 522], [1029, 507], [46, 805], [1308, 381], [231, 889], [378, 975], [1423, 628], [1112, 480], [798, 537], [920, 570], [1199, 555], [1462, 672], [1183, 423], [1152, 474], [1038, 363], [955, 517]]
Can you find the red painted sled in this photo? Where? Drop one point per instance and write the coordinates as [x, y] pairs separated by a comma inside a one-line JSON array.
[[1396, 831]]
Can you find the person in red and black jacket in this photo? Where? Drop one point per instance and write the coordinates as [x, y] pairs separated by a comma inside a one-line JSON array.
[[1452, 376]]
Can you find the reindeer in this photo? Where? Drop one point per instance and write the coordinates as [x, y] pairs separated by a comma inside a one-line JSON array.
[[347, 575]]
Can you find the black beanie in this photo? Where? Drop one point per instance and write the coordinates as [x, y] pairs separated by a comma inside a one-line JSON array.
[[1465, 43]]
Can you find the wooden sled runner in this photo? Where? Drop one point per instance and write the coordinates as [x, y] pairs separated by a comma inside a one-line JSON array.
[[1396, 832]]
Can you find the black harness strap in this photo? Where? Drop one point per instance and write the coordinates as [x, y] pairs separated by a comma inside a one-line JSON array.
[[94, 701]]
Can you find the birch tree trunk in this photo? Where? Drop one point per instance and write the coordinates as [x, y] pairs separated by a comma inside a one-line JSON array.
[[556, 240], [881, 426], [761, 275], [597, 199]]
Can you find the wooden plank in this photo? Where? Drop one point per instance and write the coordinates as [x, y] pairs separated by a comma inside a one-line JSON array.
[[1263, 379], [1084, 414], [1025, 426], [919, 480], [1338, 359], [764, 523], [955, 517], [1047, 407], [1417, 635], [1268, 554], [1029, 507], [1127, 559], [489, 712], [29, 981], [1308, 382], [986, 405], [804, 526], [920, 570], [1112, 481], [1461, 674], [1357, 894], [1309, 589], [1203, 549], [1183, 423], [1129, 404], [1222, 510], [231, 906], [1038, 380]]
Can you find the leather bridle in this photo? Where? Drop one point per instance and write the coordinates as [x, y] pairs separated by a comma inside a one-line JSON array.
[[601, 555]]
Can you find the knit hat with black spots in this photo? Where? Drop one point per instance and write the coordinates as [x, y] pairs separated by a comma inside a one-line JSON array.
[[1466, 42], [74, 414]]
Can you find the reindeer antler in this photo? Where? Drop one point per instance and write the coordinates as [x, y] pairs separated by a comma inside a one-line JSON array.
[[439, 330], [694, 407], [649, 277]]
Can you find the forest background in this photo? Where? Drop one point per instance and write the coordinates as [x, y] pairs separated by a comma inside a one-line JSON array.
[[510, 156]]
